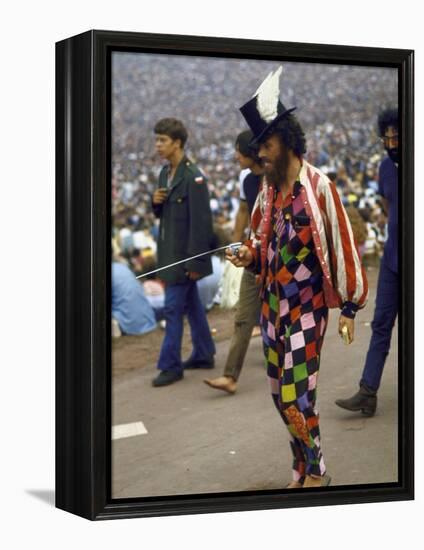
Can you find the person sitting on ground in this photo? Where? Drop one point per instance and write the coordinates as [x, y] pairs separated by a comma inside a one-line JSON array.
[[130, 307]]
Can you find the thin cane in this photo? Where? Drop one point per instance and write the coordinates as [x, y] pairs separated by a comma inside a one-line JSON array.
[[234, 247]]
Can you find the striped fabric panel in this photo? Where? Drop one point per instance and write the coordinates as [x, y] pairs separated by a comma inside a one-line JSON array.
[[333, 257], [351, 279], [279, 225], [306, 178]]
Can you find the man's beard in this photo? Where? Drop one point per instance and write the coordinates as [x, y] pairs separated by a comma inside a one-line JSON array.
[[277, 174], [393, 154]]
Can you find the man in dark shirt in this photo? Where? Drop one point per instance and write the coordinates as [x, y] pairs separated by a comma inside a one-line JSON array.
[[248, 306], [181, 202], [386, 309]]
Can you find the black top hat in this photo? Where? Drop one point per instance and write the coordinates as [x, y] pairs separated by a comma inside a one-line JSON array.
[[265, 109]]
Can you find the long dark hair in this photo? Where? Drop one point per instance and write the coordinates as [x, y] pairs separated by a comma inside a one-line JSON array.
[[291, 134], [242, 144], [388, 117]]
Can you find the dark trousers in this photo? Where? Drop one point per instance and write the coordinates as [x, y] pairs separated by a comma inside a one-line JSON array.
[[181, 299], [386, 309]]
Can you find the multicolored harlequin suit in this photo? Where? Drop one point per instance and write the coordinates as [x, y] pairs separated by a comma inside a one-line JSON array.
[[304, 251]]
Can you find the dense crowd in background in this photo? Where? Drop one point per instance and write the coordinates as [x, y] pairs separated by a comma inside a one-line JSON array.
[[336, 105]]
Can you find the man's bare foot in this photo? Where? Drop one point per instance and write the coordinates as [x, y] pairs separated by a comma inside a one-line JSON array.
[[225, 383], [294, 485], [256, 331], [317, 481]]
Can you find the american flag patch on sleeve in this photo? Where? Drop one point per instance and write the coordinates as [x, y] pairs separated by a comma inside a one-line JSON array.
[[199, 179]]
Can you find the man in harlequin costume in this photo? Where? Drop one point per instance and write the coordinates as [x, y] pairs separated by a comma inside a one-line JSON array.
[[303, 250]]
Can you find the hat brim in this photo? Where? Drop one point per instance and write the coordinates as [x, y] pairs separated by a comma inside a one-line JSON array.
[[260, 137]]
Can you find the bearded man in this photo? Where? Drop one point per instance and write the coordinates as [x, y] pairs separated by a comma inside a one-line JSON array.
[[303, 249], [387, 302]]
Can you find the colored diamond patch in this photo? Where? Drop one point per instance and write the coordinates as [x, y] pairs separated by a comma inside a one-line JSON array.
[[303, 252], [285, 254], [273, 302], [300, 372], [288, 393], [273, 357]]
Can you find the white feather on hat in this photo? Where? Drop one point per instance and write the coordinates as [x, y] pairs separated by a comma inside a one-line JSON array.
[[268, 94]]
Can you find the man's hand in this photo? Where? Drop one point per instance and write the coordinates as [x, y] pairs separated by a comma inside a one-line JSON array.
[[193, 275], [349, 324], [242, 259], [159, 196]]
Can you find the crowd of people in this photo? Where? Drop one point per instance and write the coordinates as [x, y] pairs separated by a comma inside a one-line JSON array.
[[337, 108]]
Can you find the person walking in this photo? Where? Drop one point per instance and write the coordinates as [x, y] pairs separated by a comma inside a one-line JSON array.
[[249, 304], [304, 251], [386, 303]]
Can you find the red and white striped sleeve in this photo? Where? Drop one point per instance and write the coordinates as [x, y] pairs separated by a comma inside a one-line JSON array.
[[349, 275]]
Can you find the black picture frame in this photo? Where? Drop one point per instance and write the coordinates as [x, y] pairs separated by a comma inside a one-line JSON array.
[[83, 347]]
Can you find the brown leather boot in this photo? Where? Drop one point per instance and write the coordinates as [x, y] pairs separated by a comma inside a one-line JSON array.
[[365, 400]]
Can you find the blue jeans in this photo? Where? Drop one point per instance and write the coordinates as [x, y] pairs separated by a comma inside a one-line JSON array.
[[181, 299], [386, 309]]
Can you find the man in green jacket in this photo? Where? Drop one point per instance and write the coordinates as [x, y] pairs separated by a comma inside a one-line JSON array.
[[181, 202]]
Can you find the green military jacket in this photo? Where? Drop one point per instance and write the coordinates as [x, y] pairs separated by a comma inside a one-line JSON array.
[[185, 223]]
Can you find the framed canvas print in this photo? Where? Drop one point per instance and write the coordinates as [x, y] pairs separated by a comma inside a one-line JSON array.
[[234, 275]]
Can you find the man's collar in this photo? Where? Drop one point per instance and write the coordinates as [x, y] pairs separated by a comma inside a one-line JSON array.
[[178, 176]]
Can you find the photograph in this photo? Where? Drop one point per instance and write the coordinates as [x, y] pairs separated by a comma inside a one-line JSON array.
[[234, 315], [254, 285]]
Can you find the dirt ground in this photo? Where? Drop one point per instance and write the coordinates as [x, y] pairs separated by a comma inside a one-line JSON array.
[[135, 352]]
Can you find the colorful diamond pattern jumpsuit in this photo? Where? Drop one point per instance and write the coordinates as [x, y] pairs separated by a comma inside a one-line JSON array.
[[293, 321]]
